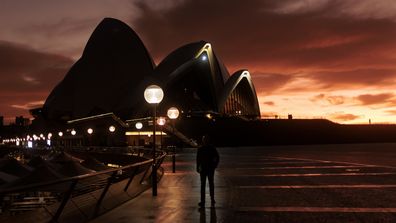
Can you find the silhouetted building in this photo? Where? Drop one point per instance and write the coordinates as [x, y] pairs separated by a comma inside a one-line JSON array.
[[21, 121], [115, 69]]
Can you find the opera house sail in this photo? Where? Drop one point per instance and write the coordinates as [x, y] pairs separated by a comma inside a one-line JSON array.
[[116, 67]]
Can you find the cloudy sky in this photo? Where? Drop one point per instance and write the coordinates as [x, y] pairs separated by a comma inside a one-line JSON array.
[[310, 58]]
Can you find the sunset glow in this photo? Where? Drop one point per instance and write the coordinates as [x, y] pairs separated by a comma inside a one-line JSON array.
[[309, 58]]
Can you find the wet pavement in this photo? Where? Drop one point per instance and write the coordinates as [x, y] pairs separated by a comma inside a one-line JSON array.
[[320, 183]]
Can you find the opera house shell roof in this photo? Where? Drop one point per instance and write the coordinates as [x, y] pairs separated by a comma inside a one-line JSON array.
[[116, 67]]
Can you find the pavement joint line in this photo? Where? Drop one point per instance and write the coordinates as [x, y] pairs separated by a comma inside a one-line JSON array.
[[328, 161], [272, 163], [316, 174], [363, 186], [297, 167], [318, 209]]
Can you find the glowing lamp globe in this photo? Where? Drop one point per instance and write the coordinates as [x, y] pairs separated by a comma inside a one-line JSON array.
[[161, 121], [60, 134], [112, 129], [173, 113], [139, 125], [90, 131], [153, 94], [73, 132]]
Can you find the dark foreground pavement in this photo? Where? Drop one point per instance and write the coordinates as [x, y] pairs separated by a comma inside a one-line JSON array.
[[324, 183]]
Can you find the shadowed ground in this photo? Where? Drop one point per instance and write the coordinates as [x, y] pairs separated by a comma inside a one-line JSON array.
[[323, 183]]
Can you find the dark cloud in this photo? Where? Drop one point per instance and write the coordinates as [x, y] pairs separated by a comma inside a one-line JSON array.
[[331, 99], [256, 33], [391, 112], [27, 76], [267, 83], [343, 117], [269, 103], [373, 99], [355, 78]]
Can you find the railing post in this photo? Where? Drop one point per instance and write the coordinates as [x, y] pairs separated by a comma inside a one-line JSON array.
[[105, 189], [65, 199], [130, 179], [145, 173]]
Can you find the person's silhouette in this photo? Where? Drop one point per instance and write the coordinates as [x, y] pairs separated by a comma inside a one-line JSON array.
[[207, 162]]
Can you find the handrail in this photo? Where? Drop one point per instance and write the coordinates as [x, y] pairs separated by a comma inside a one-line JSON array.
[[80, 177], [72, 191]]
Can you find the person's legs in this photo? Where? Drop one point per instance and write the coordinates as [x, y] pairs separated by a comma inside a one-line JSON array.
[[211, 185], [203, 188]]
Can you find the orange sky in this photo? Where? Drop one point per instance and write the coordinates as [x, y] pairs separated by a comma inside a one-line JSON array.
[[310, 58]]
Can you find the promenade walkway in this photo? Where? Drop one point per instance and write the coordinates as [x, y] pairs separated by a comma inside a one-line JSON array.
[[275, 184]]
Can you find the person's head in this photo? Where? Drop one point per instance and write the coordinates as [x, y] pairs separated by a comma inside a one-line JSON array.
[[205, 140]]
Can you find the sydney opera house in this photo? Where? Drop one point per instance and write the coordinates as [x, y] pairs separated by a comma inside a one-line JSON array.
[[115, 69]]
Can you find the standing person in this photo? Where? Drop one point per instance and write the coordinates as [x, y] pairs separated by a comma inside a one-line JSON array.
[[207, 161]]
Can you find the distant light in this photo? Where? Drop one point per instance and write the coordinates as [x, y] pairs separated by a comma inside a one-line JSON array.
[[153, 94], [41, 136], [161, 121], [30, 144], [17, 143], [73, 132], [209, 116], [48, 142], [173, 113], [49, 135], [204, 58], [60, 134], [90, 131], [112, 129], [139, 125]]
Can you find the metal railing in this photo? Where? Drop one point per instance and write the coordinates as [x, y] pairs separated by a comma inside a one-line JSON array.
[[79, 198]]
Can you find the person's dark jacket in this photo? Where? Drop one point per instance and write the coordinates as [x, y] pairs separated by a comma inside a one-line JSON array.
[[207, 158]]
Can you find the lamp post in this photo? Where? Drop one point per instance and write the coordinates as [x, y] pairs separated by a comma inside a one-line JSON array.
[[173, 114], [138, 126], [90, 131], [154, 95], [161, 121]]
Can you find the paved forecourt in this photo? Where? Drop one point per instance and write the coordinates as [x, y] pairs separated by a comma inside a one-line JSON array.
[[332, 183]]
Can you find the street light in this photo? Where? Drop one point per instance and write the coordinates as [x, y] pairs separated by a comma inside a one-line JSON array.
[[73, 132], [112, 129], [138, 126], [173, 113], [154, 95], [161, 121], [90, 131]]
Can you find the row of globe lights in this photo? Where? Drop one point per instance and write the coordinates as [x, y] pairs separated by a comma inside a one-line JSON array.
[[89, 131], [73, 132], [172, 113]]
